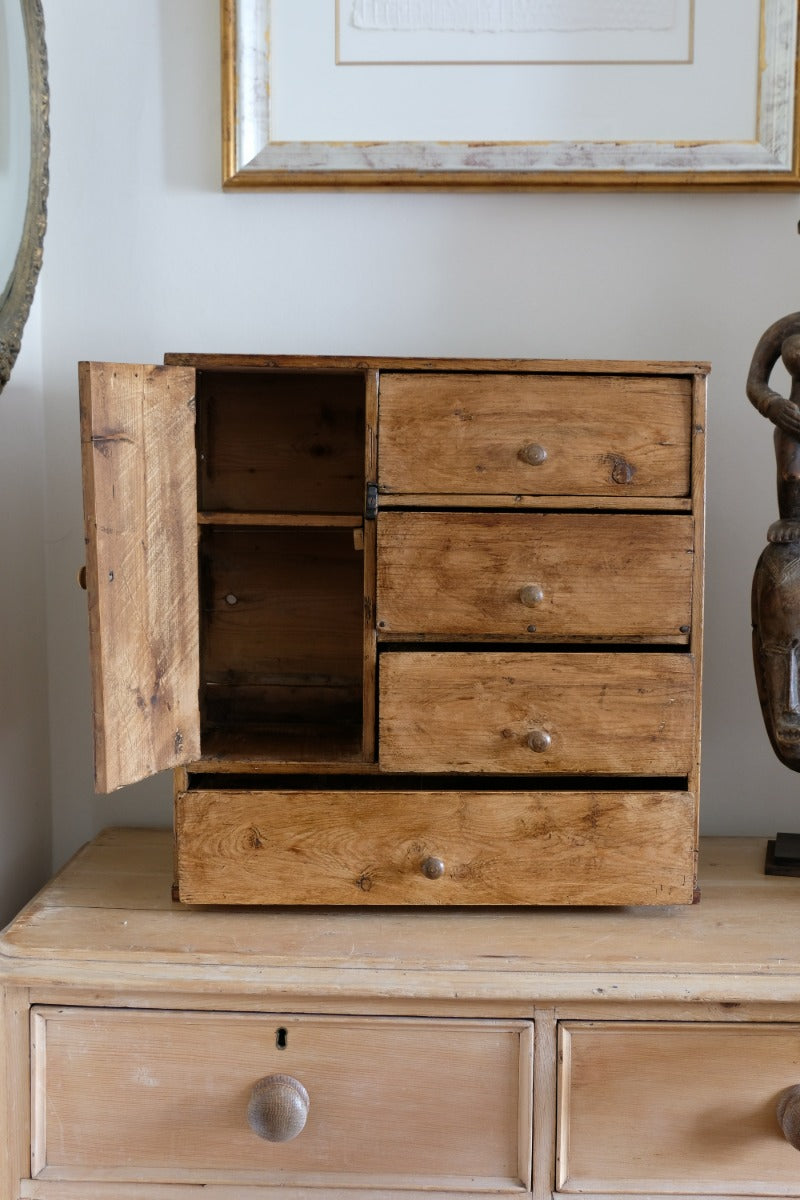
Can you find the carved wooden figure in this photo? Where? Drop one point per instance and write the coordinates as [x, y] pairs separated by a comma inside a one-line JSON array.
[[776, 583]]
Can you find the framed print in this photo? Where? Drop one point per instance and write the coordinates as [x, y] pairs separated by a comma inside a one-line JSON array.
[[514, 93]]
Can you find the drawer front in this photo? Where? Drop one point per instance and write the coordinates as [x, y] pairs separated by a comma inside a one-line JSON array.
[[676, 1109], [127, 1095], [502, 434], [435, 847], [546, 576], [546, 713]]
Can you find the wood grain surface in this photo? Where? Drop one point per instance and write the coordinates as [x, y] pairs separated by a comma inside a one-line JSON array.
[[137, 430], [605, 713], [601, 435], [608, 576], [163, 1095], [667, 1108], [108, 921], [371, 847]]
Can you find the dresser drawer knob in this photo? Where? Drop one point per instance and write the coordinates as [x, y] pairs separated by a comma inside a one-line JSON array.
[[433, 868], [621, 470], [789, 1115], [531, 595], [533, 454], [278, 1108], [539, 740]]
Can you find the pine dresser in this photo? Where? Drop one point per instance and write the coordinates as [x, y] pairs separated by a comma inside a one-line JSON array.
[[157, 1051]]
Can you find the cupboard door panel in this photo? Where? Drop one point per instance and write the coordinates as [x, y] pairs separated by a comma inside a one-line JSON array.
[[140, 501], [535, 576], [538, 713], [501, 434], [669, 1108]]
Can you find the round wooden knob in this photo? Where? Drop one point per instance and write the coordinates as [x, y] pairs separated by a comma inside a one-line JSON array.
[[789, 1115], [278, 1108], [539, 740], [532, 594], [534, 454], [622, 472], [433, 868], [81, 577]]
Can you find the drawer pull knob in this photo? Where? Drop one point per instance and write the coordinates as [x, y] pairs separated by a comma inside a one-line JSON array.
[[533, 454], [433, 868], [789, 1115], [278, 1108], [531, 595], [622, 471], [539, 740]]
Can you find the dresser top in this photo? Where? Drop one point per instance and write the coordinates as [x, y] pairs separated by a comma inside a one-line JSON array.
[[108, 917]]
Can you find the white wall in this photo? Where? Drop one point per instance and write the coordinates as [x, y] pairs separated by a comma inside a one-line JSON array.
[[145, 255], [24, 738]]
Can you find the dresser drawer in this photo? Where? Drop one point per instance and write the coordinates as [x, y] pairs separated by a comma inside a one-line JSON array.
[[670, 1108], [540, 713], [465, 846], [546, 576], [528, 435], [147, 1096]]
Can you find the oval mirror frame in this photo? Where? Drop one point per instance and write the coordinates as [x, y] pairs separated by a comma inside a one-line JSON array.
[[16, 299]]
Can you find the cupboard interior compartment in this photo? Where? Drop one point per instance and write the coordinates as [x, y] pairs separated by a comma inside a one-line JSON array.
[[281, 643], [281, 441]]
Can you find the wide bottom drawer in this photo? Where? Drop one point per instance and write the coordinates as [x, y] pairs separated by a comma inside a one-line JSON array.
[[148, 1096], [435, 847], [676, 1109]]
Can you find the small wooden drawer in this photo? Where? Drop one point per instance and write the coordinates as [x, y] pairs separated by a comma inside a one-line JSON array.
[[540, 576], [527, 434], [540, 713], [460, 847], [676, 1109], [149, 1096]]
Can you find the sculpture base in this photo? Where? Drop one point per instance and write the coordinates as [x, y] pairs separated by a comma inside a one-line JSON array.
[[783, 855]]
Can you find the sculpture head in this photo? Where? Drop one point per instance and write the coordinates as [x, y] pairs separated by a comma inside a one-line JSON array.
[[776, 647]]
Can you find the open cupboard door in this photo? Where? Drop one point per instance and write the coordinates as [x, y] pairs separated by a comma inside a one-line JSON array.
[[140, 501]]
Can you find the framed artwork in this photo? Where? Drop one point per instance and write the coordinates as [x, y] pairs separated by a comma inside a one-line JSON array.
[[513, 93]]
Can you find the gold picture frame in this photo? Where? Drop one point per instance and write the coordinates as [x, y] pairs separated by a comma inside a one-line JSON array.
[[258, 153]]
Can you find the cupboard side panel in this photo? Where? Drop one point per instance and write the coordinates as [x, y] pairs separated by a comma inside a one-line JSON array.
[[369, 706], [698, 508]]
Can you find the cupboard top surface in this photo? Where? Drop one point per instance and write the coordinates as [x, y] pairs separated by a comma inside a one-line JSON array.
[[108, 920], [255, 362]]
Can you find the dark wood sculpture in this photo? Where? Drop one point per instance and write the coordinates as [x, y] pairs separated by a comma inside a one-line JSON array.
[[776, 583]]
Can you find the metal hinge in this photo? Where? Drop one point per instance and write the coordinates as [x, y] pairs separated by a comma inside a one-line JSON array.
[[371, 503]]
